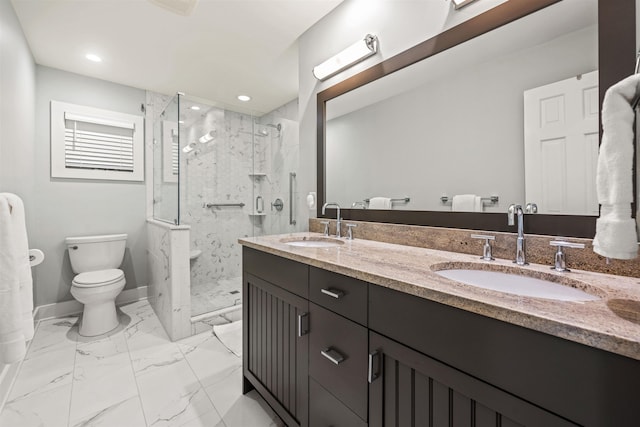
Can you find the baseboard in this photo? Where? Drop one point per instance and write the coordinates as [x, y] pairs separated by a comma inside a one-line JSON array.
[[68, 308]]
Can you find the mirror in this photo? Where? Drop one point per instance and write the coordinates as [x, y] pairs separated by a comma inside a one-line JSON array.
[[454, 123]]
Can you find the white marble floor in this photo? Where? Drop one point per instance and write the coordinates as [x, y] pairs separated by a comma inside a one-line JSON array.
[[134, 377]]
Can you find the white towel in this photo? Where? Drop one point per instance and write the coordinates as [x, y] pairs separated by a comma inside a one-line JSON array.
[[16, 285], [380, 203], [616, 235], [466, 203]]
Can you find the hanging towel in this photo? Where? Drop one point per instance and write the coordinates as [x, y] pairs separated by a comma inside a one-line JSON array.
[[616, 235], [380, 203], [466, 203], [16, 285]]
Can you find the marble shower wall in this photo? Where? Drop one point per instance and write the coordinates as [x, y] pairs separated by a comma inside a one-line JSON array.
[[225, 170], [277, 155], [217, 172]]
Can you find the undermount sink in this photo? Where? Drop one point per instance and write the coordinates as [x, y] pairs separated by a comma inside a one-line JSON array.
[[312, 242], [518, 284]]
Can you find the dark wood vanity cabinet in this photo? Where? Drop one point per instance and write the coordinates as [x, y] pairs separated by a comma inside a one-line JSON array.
[[313, 338], [275, 334]]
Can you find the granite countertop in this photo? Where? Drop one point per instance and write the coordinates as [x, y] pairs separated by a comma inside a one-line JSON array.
[[611, 323]]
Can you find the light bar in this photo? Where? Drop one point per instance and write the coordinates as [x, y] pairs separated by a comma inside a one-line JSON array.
[[352, 55]]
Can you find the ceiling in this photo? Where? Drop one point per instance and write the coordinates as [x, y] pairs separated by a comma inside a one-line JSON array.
[[222, 49]]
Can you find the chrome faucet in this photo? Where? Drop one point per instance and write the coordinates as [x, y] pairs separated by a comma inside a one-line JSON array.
[[521, 258], [338, 219]]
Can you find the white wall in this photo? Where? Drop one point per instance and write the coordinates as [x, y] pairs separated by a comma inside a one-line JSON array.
[[17, 109], [63, 207], [398, 24]]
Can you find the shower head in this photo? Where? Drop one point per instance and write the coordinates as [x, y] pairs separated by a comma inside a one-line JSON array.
[[277, 126]]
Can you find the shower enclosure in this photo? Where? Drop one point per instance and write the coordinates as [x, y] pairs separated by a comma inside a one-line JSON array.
[[226, 175]]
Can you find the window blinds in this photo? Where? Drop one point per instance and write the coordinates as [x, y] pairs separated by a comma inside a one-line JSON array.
[[98, 143]]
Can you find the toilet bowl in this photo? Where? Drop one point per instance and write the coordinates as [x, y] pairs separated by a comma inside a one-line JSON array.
[[99, 281]]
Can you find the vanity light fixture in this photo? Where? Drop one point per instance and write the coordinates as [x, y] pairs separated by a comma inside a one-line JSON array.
[[457, 4], [352, 55], [209, 136]]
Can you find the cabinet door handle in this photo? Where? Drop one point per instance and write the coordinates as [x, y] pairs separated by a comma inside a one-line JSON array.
[[374, 363], [303, 324], [335, 293], [332, 355]]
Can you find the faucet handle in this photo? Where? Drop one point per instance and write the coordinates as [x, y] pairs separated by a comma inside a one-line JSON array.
[[326, 227], [560, 262], [486, 248], [350, 231]]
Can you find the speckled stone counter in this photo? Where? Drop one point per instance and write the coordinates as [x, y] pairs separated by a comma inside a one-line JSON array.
[[611, 323]]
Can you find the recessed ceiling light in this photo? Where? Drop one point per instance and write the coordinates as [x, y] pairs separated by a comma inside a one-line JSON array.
[[244, 98], [195, 107], [93, 57]]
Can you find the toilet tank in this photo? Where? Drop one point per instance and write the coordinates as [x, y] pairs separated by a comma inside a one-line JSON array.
[[90, 253]]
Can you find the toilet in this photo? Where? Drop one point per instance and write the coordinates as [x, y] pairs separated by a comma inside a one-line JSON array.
[[98, 280]]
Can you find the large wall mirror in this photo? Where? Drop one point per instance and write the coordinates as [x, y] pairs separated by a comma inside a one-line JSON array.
[[504, 106]]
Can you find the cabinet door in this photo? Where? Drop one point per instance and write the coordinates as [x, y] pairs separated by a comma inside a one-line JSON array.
[[276, 346], [408, 388]]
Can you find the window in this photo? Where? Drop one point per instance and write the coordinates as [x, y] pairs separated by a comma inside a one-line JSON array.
[[91, 143], [170, 154]]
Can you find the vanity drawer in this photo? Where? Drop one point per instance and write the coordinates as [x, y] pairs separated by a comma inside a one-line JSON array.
[[290, 275], [325, 410], [341, 294], [334, 337]]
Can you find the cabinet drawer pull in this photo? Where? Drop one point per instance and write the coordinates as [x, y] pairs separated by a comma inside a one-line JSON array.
[[374, 359], [335, 293], [332, 355], [303, 324]]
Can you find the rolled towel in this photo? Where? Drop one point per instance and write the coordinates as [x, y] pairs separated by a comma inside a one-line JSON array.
[[380, 203], [466, 203], [616, 235]]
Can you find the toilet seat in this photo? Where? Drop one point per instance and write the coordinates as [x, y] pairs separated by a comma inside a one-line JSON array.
[[92, 279]]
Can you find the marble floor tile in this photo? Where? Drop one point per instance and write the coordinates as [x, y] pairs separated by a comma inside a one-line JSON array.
[[210, 419], [215, 295], [49, 408], [210, 360], [132, 377], [127, 413], [41, 373], [52, 335], [172, 396], [102, 384]]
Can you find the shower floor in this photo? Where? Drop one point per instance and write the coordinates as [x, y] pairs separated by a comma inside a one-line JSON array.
[[213, 296]]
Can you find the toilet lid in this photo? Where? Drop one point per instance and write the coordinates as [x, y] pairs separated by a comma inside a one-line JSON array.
[[98, 278]]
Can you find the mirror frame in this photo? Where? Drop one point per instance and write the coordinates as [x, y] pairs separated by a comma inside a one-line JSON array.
[[616, 58]]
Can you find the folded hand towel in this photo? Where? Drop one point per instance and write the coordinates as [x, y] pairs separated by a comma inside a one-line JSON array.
[[16, 286], [616, 235], [466, 203], [380, 203]]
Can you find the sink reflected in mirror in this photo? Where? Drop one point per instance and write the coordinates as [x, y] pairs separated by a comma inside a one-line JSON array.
[[312, 242], [516, 281]]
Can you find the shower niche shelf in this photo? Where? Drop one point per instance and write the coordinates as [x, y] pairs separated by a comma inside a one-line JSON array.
[[257, 214]]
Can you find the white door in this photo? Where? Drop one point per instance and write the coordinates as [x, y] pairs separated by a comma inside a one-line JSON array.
[[561, 146]]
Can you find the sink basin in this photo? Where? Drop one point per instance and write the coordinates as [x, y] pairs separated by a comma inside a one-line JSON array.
[[518, 284], [312, 242]]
